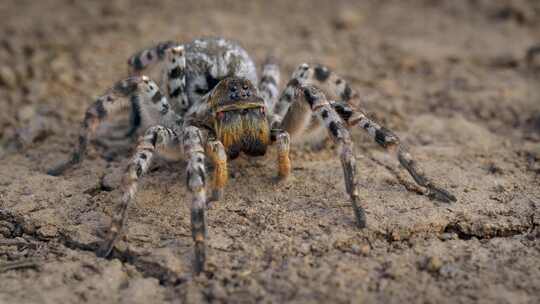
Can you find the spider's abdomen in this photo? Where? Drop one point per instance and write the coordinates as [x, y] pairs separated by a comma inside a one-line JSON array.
[[211, 60]]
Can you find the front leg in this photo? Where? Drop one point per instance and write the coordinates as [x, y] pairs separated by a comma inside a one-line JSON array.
[[155, 139], [196, 183]]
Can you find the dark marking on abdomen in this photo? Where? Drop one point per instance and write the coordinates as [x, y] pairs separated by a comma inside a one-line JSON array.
[[322, 73]]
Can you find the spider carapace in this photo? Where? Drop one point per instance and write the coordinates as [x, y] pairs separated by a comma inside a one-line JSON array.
[[211, 104]]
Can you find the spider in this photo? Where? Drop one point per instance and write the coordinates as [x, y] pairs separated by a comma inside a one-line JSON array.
[[209, 106]]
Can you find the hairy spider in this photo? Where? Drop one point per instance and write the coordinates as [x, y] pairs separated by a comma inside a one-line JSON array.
[[220, 113]]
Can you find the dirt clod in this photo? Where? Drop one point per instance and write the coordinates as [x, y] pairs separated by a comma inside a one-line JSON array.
[[7, 77]]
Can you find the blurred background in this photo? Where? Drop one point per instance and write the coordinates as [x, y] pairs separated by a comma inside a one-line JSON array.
[[471, 53]]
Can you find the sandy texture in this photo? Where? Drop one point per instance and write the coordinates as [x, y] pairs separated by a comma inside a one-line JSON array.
[[448, 76]]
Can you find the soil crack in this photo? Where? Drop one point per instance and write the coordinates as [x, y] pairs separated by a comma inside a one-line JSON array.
[[465, 232], [142, 263]]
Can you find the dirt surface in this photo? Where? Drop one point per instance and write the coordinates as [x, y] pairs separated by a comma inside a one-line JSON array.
[[448, 76]]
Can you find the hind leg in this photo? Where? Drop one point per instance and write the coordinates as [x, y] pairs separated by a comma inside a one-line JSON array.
[[296, 117], [269, 83], [145, 58]]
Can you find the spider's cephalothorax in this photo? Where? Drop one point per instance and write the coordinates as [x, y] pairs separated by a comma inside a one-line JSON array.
[[239, 118], [219, 110]]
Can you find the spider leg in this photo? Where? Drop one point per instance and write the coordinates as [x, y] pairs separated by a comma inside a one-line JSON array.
[[391, 142], [283, 140], [316, 101], [196, 182], [138, 62], [296, 117], [155, 139], [335, 86], [109, 103], [216, 152], [269, 83], [175, 76]]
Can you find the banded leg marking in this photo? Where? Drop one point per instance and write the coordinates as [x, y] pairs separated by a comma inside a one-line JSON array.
[[155, 139], [339, 133], [320, 76], [109, 103], [146, 57], [196, 183], [390, 141], [269, 84], [176, 76]]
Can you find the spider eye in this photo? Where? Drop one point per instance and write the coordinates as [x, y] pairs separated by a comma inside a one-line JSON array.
[[174, 60]]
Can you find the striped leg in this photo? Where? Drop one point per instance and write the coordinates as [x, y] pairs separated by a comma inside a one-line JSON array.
[[147, 57], [196, 183], [216, 152], [155, 140], [334, 86], [269, 84], [111, 102], [337, 130], [389, 141], [176, 76]]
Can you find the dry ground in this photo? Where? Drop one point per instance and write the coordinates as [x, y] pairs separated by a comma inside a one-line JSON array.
[[447, 76]]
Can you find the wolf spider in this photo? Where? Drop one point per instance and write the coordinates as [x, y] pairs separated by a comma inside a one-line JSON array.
[[219, 112]]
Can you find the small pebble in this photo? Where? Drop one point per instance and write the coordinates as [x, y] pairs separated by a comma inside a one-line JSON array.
[[448, 236], [360, 249], [305, 248], [448, 271], [433, 264], [47, 232], [8, 77]]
